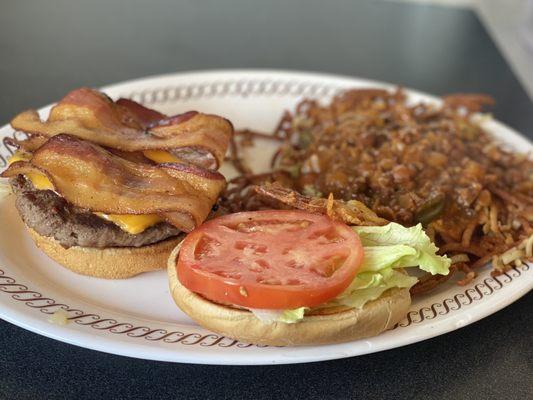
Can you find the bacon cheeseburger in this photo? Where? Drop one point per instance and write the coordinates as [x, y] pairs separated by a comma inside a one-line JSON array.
[[106, 189], [297, 278]]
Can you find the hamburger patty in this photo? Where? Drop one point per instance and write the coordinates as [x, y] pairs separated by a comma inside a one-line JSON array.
[[50, 215]]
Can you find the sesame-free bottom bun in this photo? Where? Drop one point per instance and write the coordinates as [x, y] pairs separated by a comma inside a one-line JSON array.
[[109, 263], [332, 326]]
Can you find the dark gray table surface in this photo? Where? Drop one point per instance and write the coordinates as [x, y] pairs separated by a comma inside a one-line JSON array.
[[50, 47]]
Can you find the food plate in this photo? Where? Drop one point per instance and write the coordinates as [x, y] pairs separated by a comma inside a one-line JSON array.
[[137, 317]]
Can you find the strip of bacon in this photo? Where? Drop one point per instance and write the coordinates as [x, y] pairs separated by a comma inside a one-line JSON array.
[[351, 212], [128, 126], [145, 116], [29, 144], [90, 177]]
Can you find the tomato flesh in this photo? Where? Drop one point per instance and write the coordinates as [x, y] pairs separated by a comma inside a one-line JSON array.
[[270, 259]]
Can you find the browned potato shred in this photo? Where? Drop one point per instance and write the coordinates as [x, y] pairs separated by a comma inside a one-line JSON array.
[[408, 164]]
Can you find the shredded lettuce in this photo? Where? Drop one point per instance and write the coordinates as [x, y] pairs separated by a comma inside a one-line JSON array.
[[387, 249], [380, 257], [361, 291], [285, 316], [292, 316], [380, 245]]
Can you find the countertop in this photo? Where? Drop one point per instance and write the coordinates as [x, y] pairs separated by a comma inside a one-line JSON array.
[[48, 48]]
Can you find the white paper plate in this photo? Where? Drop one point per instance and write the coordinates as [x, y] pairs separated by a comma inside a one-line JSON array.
[[136, 317]]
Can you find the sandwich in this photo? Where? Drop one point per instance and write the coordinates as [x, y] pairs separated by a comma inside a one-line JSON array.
[[108, 189], [292, 277]]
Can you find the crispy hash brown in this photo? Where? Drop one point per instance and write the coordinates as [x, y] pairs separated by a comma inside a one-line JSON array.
[[407, 163]]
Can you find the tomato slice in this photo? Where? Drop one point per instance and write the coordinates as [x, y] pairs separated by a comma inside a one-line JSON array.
[[270, 259]]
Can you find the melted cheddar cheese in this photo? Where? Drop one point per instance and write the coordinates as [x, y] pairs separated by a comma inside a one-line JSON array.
[[132, 223], [39, 180], [160, 156], [127, 222], [19, 156]]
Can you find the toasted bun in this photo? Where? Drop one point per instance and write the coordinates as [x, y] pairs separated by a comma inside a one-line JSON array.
[[109, 263], [340, 325]]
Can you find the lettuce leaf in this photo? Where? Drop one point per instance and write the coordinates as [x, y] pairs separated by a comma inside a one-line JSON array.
[[386, 248], [361, 291], [285, 316], [381, 246], [380, 257], [292, 316]]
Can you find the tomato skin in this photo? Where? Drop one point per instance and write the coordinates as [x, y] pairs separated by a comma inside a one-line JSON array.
[[270, 259]]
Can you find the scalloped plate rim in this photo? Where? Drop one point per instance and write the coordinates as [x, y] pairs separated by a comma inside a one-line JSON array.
[[28, 318]]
